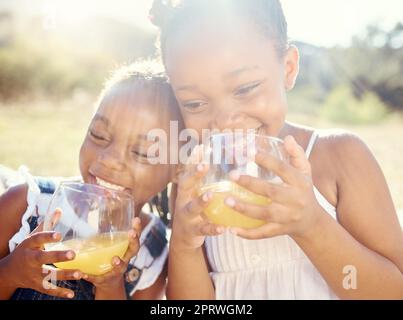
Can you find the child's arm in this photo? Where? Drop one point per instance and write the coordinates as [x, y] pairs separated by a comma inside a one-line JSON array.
[[367, 241], [369, 237], [114, 291], [117, 290], [154, 292], [188, 274], [13, 204], [23, 267]]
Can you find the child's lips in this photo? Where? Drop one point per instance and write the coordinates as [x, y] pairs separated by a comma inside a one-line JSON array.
[[109, 185], [104, 183]]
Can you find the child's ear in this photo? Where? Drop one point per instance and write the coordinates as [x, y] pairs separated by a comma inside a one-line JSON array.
[[291, 63]]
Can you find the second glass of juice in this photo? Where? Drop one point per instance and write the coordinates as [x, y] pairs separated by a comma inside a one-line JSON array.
[[236, 152], [94, 224]]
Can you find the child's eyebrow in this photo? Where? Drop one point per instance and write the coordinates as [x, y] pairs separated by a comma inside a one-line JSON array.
[[238, 71], [186, 88], [230, 74], [101, 118]]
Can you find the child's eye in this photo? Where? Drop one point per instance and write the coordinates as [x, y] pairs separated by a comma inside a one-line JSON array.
[[140, 154], [97, 136], [244, 90], [143, 157], [194, 105]]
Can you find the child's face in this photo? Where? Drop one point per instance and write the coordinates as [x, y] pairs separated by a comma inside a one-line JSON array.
[[115, 147], [229, 76]]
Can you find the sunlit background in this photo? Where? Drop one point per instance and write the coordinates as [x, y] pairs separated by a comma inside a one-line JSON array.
[[320, 22], [56, 54]]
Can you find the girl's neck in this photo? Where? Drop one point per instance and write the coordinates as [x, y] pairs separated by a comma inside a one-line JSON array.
[[293, 129], [301, 133], [287, 130]]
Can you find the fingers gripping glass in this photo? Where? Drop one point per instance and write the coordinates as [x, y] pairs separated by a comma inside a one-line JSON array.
[[236, 152], [94, 224]]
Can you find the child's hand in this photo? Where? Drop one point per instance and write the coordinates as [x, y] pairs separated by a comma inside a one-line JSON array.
[[114, 278], [294, 208], [25, 265], [190, 227]]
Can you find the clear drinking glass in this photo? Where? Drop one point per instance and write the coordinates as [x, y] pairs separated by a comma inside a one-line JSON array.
[[94, 224], [231, 151]]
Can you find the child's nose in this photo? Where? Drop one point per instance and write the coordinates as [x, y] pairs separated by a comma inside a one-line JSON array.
[[112, 159], [231, 120]]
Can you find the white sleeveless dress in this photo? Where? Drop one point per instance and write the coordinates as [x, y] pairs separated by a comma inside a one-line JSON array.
[[274, 268]]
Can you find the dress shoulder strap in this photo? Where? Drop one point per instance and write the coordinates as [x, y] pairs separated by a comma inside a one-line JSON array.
[[311, 143]]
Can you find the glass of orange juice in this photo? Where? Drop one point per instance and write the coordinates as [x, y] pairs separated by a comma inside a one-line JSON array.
[[236, 151], [94, 224]]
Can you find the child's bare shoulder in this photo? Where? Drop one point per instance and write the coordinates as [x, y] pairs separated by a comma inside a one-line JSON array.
[[344, 150], [13, 200], [13, 204], [342, 142]]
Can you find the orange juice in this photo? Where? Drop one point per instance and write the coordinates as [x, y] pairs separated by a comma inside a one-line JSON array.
[[93, 255], [219, 213]]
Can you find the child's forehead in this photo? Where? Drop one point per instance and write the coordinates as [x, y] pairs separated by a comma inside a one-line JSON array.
[[223, 64], [216, 31], [237, 45], [140, 114]]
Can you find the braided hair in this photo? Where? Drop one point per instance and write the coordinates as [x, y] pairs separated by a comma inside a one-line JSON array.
[[172, 16]]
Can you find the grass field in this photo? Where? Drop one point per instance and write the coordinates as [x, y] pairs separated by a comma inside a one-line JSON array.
[[47, 138]]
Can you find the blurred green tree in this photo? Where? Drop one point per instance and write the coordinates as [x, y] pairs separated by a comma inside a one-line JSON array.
[[373, 64]]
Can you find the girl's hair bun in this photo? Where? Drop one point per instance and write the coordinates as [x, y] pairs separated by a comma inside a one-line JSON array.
[[160, 12]]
